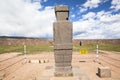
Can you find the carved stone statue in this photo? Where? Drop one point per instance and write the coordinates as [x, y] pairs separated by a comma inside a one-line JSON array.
[[62, 42]]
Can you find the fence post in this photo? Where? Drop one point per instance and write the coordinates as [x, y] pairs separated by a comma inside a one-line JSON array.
[[97, 53], [25, 53]]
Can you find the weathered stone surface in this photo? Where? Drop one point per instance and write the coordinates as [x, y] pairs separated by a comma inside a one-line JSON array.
[[65, 78], [61, 8], [62, 12], [62, 16], [104, 72], [59, 64], [63, 71], [62, 32], [2, 75], [62, 42], [63, 46], [42, 61], [68, 58], [34, 61], [59, 58], [63, 56], [63, 52], [46, 60], [39, 61]]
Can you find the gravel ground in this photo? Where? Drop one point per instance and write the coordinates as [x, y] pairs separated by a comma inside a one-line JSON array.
[[15, 68]]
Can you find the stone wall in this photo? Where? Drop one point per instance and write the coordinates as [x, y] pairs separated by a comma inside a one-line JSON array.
[[32, 41], [13, 41], [99, 41]]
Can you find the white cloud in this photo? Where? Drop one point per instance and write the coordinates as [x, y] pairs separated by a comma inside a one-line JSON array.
[[73, 16], [115, 5], [38, 0], [110, 19], [89, 4], [89, 15], [92, 3], [97, 25], [82, 9], [21, 18]]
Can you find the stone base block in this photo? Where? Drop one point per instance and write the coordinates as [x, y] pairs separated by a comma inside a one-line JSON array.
[[63, 71], [63, 74], [48, 74], [34, 61], [38, 61], [104, 72], [46, 60], [2, 75], [65, 78], [42, 61]]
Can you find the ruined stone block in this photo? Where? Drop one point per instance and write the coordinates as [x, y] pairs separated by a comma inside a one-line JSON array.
[[104, 72], [42, 61], [46, 60], [34, 61]]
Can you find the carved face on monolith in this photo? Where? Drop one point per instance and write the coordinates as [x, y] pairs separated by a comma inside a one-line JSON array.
[[62, 42]]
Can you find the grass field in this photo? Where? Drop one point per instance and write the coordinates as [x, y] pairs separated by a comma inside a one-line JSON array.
[[92, 47], [29, 48], [46, 48]]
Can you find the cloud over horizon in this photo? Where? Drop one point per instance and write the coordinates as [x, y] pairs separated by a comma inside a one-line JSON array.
[[21, 18], [30, 18]]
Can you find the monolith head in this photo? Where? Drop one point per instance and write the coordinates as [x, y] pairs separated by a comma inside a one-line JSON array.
[[62, 13]]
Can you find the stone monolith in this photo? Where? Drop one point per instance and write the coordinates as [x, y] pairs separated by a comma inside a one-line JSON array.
[[62, 29]]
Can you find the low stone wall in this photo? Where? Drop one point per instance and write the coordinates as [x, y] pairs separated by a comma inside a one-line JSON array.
[[13, 41], [32, 41], [100, 41]]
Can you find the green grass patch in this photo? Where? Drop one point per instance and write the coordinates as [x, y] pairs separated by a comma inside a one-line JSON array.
[[10, 48], [110, 47], [88, 47], [39, 48], [92, 47], [31, 49]]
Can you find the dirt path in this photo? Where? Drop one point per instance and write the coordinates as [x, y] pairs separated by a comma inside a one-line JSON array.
[[112, 60], [40, 71]]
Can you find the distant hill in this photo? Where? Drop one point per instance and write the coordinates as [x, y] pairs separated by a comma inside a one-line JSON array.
[[20, 37], [15, 40]]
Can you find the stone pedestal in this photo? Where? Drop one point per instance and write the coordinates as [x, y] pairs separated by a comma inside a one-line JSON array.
[[62, 42], [48, 74], [104, 72]]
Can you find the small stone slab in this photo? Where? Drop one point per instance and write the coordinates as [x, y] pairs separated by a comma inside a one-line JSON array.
[[65, 78], [39, 61], [34, 61], [46, 60], [42, 61], [2, 75], [104, 72]]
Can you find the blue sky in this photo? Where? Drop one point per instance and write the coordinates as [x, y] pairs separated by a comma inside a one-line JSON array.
[[92, 19]]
